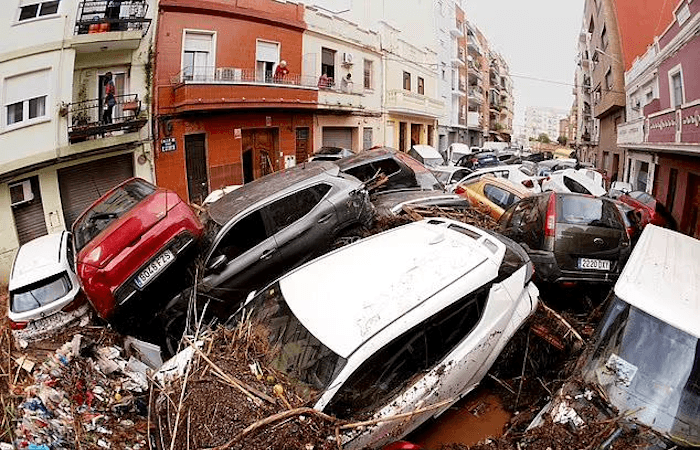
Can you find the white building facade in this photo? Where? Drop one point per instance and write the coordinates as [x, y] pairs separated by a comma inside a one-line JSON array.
[[60, 150]]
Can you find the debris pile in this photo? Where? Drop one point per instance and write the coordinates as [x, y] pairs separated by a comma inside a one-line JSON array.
[[222, 394], [84, 395], [470, 216]]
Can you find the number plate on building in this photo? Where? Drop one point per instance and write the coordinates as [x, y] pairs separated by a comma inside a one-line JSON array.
[[154, 268], [593, 264]]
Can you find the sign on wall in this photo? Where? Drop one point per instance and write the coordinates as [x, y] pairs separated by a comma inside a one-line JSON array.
[[168, 144]]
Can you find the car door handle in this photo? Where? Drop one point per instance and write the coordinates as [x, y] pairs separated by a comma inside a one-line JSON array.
[[267, 254], [325, 218]]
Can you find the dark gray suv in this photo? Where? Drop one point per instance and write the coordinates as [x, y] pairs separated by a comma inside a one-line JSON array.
[[569, 237], [271, 225]]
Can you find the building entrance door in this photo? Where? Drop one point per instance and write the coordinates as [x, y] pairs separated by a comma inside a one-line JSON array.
[[402, 136], [692, 215], [259, 153], [196, 166], [302, 150], [415, 133]]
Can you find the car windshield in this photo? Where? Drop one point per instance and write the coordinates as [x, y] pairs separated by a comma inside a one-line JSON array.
[[443, 177], [642, 197], [293, 349], [121, 201], [40, 294], [651, 368], [580, 210]]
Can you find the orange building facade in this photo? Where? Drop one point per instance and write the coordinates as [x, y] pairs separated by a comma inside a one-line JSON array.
[[230, 102]]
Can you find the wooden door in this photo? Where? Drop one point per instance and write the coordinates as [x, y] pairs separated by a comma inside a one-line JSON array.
[[259, 158], [196, 165], [302, 149]]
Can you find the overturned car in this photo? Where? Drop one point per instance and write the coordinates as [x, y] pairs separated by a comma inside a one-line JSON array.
[[438, 302]]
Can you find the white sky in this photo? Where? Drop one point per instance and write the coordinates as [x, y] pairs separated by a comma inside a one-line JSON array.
[[538, 40], [536, 37]]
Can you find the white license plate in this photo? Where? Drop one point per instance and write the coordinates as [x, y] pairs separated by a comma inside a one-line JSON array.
[[593, 264], [154, 268]]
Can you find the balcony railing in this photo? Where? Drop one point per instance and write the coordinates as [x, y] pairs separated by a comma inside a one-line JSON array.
[[233, 75], [99, 16], [87, 118]]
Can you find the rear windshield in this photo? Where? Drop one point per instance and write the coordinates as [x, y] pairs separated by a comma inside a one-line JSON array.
[[487, 159], [110, 209], [40, 294], [579, 210]]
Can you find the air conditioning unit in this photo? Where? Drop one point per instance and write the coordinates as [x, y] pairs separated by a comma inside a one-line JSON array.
[[347, 58], [21, 192]]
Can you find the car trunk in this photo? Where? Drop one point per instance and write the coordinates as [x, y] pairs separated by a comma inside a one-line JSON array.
[[123, 234], [588, 231]]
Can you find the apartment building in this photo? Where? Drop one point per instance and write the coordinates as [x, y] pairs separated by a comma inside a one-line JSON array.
[[452, 72], [227, 110], [64, 143], [478, 86], [543, 120], [662, 134], [500, 99], [347, 61]]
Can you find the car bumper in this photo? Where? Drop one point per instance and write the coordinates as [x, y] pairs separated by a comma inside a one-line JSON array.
[[47, 326], [547, 269]]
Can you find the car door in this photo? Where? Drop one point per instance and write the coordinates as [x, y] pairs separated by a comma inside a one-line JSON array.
[[457, 175], [589, 230], [303, 224], [240, 258], [499, 199]]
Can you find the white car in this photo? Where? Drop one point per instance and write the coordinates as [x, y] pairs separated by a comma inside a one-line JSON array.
[[456, 151], [44, 292], [572, 180], [449, 176], [513, 172], [412, 318]]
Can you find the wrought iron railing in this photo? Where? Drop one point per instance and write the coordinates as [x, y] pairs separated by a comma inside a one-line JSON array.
[[89, 118], [233, 75], [99, 16]]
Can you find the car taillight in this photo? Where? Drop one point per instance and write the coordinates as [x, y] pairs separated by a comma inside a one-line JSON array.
[[460, 189], [18, 325], [528, 183], [402, 445], [551, 220]]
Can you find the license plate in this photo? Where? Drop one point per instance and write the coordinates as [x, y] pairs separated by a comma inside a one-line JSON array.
[[154, 268], [593, 264]]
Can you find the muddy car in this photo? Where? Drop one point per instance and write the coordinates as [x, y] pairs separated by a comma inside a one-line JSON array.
[[44, 290], [402, 171], [570, 237], [645, 359], [491, 194], [269, 226], [438, 301], [127, 241]]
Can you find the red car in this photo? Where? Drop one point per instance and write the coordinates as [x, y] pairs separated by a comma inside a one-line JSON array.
[[127, 240], [652, 210]]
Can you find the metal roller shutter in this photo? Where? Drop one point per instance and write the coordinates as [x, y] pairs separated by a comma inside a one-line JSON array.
[[29, 217], [337, 137], [82, 184]]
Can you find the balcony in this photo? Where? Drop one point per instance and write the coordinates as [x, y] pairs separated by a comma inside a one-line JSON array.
[[402, 101], [86, 121], [211, 88], [473, 45], [100, 25], [631, 132], [473, 119], [476, 96]]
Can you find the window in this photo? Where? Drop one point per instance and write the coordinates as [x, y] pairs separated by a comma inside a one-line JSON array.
[[421, 86], [677, 89], [328, 63], [25, 97], [243, 236], [29, 9], [591, 26], [609, 80], [368, 74], [267, 54], [604, 38], [589, 211], [575, 186], [287, 210], [197, 58], [499, 196], [683, 14], [386, 373], [407, 81]]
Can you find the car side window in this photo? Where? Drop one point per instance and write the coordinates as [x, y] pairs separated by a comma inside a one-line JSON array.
[[575, 186], [243, 236], [459, 174], [499, 196], [289, 209], [386, 373], [70, 255]]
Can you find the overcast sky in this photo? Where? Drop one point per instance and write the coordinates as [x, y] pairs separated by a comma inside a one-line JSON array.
[[538, 39]]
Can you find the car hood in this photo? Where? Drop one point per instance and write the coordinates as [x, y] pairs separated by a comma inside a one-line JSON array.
[[125, 233], [37, 260]]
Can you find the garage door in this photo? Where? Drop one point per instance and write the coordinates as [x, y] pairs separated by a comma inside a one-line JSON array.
[[82, 184], [337, 137], [29, 215]]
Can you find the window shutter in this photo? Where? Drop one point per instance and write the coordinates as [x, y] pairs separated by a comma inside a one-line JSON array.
[[24, 87], [198, 42], [267, 51]]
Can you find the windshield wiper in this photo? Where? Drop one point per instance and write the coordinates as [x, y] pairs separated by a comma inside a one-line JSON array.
[[102, 216]]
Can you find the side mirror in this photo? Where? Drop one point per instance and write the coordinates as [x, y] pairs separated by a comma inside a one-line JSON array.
[[216, 264]]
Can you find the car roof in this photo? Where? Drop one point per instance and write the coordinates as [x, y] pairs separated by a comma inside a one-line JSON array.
[[399, 270], [37, 260], [365, 157], [503, 182], [235, 202], [662, 278], [587, 182], [447, 169], [426, 151]]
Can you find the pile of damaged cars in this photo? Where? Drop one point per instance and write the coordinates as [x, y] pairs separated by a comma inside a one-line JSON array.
[[645, 360]]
